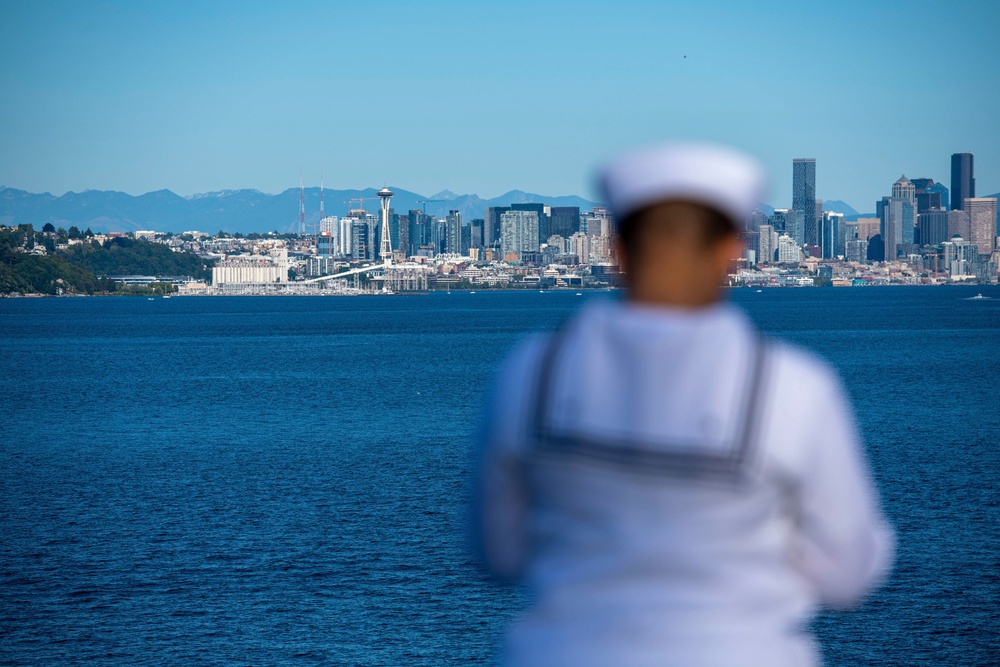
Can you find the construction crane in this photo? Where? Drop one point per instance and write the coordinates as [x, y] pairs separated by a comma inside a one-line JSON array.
[[425, 202], [360, 200]]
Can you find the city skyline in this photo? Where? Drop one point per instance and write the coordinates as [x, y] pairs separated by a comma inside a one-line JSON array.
[[140, 97]]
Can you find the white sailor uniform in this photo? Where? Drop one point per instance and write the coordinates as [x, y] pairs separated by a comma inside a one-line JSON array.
[[674, 490]]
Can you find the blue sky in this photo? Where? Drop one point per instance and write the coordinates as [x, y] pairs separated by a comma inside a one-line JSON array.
[[487, 97]]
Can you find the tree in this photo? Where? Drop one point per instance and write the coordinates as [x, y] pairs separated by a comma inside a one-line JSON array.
[[48, 228], [74, 232]]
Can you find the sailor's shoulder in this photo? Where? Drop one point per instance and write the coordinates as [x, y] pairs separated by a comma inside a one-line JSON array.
[[798, 369]]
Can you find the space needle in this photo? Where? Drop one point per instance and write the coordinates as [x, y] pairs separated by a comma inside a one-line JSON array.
[[385, 247]]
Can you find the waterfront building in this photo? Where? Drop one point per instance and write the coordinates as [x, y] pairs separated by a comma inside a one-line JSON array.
[[804, 195], [960, 257], [518, 233], [982, 214], [963, 181], [252, 269]]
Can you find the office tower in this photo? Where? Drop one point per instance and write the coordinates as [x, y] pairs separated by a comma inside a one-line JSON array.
[[959, 224], [788, 250], [491, 225], [868, 227], [564, 221], [518, 233], [960, 257], [778, 220], [982, 213], [856, 251], [580, 246], [755, 220], [933, 226], [904, 189], [804, 195], [927, 197], [453, 244], [344, 242], [767, 244], [466, 240], [556, 242], [963, 182], [795, 225], [439, 235], [940, 190], [541, 211], [476, 233], [831, 235], [360, 239]]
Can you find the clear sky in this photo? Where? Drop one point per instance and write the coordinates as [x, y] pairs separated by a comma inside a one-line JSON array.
[[487, 97]]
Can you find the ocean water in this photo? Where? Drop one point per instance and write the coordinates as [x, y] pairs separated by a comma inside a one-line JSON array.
[[281, 481]]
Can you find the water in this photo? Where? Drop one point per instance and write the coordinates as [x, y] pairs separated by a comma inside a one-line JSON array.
[[281, 481]]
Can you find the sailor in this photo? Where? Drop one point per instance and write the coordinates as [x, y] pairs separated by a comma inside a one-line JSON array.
[[672, 487]]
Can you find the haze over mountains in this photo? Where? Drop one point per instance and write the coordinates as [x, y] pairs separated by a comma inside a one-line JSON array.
[[248, 211], [231, 211]]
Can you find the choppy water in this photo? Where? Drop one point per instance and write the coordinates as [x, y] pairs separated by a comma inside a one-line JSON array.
[[281, 481]]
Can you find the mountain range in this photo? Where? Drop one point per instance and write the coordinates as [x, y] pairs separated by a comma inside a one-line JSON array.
[[245, 211]]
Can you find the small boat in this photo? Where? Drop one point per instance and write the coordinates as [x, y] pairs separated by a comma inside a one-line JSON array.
[[759, 291], [579, 293], [977, 297], [471, 292]]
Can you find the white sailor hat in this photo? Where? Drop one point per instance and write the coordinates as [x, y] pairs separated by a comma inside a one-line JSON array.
[[721, 178]]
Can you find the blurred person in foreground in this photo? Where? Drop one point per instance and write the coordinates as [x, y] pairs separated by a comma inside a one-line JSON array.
[[672, 487]]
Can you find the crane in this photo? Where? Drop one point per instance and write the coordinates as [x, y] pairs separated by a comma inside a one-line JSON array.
[[425, 202]]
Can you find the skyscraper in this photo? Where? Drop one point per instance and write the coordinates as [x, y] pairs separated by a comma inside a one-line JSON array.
[[541, 211], [982, 223], [453, 243], [519, 233], [804, 195], [963, 182], [565, 221], [491, 225]]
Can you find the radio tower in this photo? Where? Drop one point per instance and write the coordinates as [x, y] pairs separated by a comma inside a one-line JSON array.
[[321, 214], [302, 205]]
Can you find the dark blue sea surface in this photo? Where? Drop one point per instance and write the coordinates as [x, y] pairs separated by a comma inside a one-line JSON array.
[[281, 481]]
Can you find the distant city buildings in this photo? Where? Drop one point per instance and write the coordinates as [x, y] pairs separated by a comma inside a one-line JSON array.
[[804, 196], [963, 182]]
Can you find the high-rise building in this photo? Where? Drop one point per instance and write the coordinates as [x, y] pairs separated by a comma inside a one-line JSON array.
[[927, 198], [476, 233], [941, 191], [541, 211], [564, 221], [963, 181], [453, 244], [832, 235], [491, 225], [788, 250], [344, 242], [958, 224], [933, 226], [868, 227], [804, 195], [518, 233], [767, 244], [580, 244], [982, 213], [904, 189]]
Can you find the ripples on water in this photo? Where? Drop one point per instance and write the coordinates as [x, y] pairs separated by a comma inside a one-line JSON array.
[[281, 480]]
